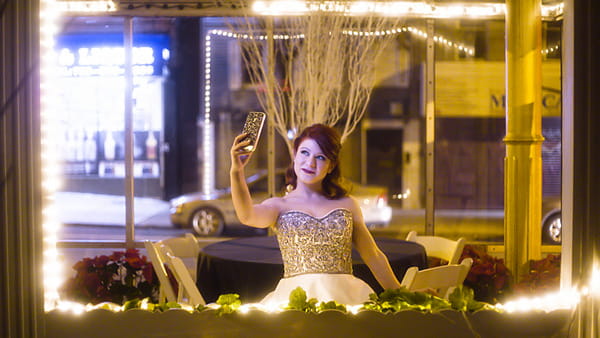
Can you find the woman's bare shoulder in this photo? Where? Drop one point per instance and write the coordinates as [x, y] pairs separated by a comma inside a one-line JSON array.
[[352, 204], [275, 202]]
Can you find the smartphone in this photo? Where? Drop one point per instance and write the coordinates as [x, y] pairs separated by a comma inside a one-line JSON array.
[[253, 127]]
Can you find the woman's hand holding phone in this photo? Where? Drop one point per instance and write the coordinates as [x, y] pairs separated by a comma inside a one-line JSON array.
[[253, 128], [245, 143]]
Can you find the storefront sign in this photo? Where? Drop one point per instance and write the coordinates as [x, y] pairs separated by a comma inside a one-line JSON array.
[[104, 54], [476, 89]]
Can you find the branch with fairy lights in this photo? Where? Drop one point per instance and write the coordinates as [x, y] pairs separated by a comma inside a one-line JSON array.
[[392, 31]]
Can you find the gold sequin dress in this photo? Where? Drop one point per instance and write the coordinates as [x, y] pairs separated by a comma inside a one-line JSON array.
[[317, 256]]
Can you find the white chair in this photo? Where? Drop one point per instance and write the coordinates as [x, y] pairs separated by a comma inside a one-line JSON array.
[[442, 279], [158, 263], [440, 247], [188, 291], [186, 248]]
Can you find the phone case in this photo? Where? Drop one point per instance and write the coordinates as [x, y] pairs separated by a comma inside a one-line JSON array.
[[253, 127]]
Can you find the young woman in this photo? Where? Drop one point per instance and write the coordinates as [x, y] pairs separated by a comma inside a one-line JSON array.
[[316, 223]]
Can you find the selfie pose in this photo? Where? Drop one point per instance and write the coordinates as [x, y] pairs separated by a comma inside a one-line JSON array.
[[316, 222]]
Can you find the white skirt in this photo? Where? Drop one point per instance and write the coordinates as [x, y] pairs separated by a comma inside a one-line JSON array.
[[343, 288]]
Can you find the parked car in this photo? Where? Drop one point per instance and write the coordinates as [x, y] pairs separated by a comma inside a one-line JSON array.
[[551, 220], [209, 215]]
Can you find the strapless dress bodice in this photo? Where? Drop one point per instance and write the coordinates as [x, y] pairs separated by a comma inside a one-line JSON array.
[[311, 244]]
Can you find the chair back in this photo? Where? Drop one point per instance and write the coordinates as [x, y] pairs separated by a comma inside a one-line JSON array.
[[166, 289], [188, 291], [442, 279], [186, 248], [440, 247]]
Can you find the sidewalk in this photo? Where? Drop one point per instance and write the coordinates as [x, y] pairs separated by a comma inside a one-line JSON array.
[[109, 210]]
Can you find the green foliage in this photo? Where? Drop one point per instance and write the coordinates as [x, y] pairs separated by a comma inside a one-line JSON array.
[[229, 303], [162, 307], [389, 301], [463, 299], [394, 300], [132, 304], [298, 301], [149, 305], [331, 305]]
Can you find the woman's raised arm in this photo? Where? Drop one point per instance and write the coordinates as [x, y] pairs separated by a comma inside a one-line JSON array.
[[261, 215]]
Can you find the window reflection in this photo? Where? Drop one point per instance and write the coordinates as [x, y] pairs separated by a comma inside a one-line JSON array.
[[169, 79]]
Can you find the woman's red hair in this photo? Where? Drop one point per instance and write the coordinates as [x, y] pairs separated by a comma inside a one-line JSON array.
[[329, 141]]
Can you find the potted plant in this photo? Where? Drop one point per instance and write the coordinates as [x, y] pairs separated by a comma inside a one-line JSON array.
[[116, 278], [543, 276], [489, 277]]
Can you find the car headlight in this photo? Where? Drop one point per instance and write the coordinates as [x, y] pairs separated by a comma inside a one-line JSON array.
[[176, 208]]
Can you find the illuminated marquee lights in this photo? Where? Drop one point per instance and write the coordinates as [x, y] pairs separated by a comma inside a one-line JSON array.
[[395, 8], [208, 175], [53, 275], [392, 8], [550, 302], [86, 6], [50, 11]]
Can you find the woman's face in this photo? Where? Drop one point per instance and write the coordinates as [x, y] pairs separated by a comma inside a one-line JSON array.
[[310, 164]]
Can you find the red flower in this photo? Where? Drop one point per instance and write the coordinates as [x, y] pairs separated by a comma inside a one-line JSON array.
[[135, 262], [101, 260], [116, 255], [489, 278], [543, 276], [148, 273], [116, 278], [91, 281], [83, 265], [132, 253]]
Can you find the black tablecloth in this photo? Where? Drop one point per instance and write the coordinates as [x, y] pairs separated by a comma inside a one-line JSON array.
[[252, 266]]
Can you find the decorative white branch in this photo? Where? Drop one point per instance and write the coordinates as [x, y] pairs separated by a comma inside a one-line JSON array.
[[326, 69]]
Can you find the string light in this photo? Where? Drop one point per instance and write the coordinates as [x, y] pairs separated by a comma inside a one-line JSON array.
[[394, 31], [49, 13], [550, 302], [595, 281], [86, 6], [208, 177], [395, 8], [553, 11], [551, 49]]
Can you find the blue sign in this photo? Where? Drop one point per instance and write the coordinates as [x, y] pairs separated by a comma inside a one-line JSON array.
[[103, 54]]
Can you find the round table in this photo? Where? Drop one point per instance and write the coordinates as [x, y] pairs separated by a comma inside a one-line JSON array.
[[252, 266]]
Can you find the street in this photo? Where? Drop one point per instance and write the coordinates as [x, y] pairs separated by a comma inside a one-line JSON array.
[[101, 218], [92, 217]]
